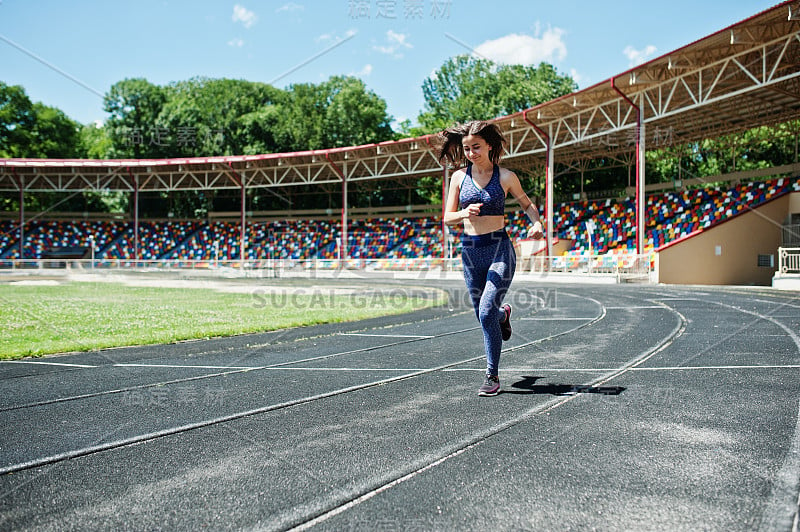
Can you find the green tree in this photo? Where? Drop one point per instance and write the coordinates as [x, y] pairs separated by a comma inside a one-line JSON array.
[[94, 142], [202, 117], [257, 130], [54, 134], [133, 106], [16, 121], [338, 112], [468, 88], [34, 130], [300, 127], [230, 117], [219, 117], [353, 115], [522, 87]]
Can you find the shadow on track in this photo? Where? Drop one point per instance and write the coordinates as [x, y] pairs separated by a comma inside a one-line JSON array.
[[528, 386]]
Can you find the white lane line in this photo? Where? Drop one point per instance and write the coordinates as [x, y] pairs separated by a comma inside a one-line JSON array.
[[598, 370], [280, 365], [532, 370], [479, 438], [267, 368], [67, 455], [37, 462], [557, 319], [388, 335], [635, 307], [781, 304], [395, 370], [183, 366], [47, 363], [781, 509], [119, 390], [674, 368], [504, 370]]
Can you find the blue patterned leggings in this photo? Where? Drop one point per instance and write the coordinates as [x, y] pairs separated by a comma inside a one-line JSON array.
[[489, 262]]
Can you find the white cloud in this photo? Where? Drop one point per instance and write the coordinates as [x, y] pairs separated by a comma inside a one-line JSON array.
[[325, 37], [637, 57], [575, 76], [244, 15], [236, 43], [521, 49], [396, 41], [291, 6], [366, 71]]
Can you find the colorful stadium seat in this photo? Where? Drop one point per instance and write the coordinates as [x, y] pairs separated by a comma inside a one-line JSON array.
[[669, 216]]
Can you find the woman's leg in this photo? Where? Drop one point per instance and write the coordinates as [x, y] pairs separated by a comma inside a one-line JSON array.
[[476, 268], [498, 280]]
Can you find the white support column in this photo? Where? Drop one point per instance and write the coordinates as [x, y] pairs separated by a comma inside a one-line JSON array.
[[344, 221], [243, 234], [549, 196], [546, 139], [135, 219], [22, 218], [641, 194]]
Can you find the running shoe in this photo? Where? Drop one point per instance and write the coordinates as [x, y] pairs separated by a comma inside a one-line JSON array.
[[490, 387], [505, 326]]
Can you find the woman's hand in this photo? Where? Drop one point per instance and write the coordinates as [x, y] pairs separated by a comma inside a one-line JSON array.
[[473, 209], [536, 231]]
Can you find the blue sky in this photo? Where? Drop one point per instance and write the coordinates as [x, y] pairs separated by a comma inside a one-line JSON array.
[[393, 45]]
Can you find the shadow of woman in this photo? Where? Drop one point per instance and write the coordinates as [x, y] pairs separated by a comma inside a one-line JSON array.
[[527, 385]]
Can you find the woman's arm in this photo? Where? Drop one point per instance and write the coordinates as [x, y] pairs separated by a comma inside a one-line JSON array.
[[452, 214], [515, 189]]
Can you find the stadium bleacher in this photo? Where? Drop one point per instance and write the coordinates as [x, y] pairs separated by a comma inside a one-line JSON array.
[[8, 237], [669, 216]]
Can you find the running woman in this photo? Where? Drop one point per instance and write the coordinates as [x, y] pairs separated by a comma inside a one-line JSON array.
[[476, 198]]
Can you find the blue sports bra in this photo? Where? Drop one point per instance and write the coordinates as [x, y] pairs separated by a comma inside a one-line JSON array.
[[492, 195]]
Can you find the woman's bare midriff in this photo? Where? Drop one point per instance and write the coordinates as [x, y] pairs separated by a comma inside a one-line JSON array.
[[484, 224]]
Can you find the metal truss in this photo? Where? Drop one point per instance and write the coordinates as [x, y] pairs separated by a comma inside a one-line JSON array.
[[683, 97], [740, 77]]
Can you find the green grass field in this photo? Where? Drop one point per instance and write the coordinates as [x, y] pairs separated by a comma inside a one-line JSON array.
[[38, 320]]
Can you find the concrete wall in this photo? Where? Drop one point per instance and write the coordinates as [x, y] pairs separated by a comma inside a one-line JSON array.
[[794, 203], [728, 253]]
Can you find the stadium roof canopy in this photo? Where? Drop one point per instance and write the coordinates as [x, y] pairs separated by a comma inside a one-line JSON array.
[[740, 77]]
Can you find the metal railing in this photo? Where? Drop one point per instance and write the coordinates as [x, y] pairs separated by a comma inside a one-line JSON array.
[[791, 235], [274, 265], [789, 260], [623, 266]]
